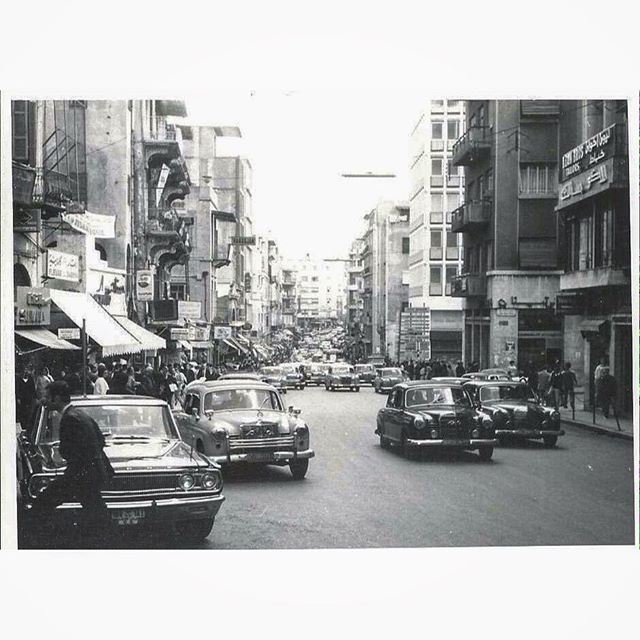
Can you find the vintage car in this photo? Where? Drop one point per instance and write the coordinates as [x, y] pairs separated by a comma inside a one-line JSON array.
[[515, 410], [387, 378], [449, 380], [160, 482], [428, 415], [488, 374], [341, 376], [292, 376], [274, 376], [366, 373], [240, 375], [234, 421], [315, 374]]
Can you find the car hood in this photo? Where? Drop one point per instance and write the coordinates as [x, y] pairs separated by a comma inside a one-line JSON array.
[[517, 406], [232, 421], [160, 454], [437, 413]]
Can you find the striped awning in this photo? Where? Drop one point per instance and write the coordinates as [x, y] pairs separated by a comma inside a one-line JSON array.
[[46, 338], [149, 341]]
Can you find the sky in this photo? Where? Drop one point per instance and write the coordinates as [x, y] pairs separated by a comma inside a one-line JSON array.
[[299, 142]]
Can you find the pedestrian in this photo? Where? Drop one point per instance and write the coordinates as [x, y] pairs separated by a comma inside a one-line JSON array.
[[43, 380], [607, 391], [132, 384], [88, 469], [531, 375], [569, 382], [599, 371], [544, 383], [512, 369], [556, 385], [460, 371], [118, 384], [25, 397], [147, 387], [101, 386]]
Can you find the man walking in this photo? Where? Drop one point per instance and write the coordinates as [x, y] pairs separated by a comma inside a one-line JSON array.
[[569, 382], [607, 391], [88, 469], [544, 383]]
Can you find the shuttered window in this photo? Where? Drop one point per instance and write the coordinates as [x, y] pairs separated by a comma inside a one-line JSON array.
[[538, 253]]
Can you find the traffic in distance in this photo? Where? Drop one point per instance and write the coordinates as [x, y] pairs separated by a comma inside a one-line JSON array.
[[169, 462]]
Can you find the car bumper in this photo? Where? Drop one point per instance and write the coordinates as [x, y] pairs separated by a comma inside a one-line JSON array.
[[530, 433], [147, 511], [271, 457], [344, 385], [293, 384], [461, 443]]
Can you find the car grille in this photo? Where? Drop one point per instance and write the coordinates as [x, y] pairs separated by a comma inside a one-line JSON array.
[[270, 444], [259, 430], [143, 482], [345, 380], [451, 428]]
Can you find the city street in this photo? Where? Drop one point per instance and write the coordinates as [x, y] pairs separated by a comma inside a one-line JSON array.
[[358, 495]]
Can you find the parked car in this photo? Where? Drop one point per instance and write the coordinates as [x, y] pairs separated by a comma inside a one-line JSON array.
[[366, 373], [376, 360], [488, 374], [341, 376], [292, 377], [160, 482], [387, 378], [316, 373], [516, 410], [430, 415], [233, 421], [273, 376]]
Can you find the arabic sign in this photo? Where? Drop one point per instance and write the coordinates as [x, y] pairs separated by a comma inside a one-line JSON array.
[[591, 152], [587, 184], [179, 333], [93, 224], [69, 334], [201, 334], [246, 240], [144, 285], [62, 266], [33, 307], [189, 309], [222, 332]]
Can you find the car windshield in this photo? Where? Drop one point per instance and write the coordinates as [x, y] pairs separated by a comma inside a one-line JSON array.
[[390, 372], [507, 392], [270, 371], [289, 368], [340, 370], [241, 399], [127, 422], [360, 368], [436, 395]]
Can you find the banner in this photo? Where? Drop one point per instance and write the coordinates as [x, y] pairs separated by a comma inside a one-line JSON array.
[[93, 224], [189, 309], [62, 266], [221, 332]]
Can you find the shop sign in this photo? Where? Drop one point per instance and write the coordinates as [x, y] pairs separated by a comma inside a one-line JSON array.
[[243, 240], [33, 307], [179, 333], [72, 333], [222, 332], [189, 309], [591, 152], [26, 220], [144, 285], [93, 224], [201, 334], [587, 184], [510, 313], [62, 266]]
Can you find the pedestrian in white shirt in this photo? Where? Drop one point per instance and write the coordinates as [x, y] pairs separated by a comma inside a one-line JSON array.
[[101, 386]]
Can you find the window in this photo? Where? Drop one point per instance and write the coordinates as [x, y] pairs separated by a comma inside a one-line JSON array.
[[453, 201], [488, 182], [435, 281], [538, 179], [405, 245], [452, 246], [437, 105], [593, 118], [436, 166], [435, 217], [436, 202], [436, 130], [450, 274], [453, 129], [23, 130], [453, 105], [435, 251], [481, 116], [177, 290], [603, 236], [489, 260]]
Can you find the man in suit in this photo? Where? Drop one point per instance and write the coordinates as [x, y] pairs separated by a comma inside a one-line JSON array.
[[88, 469]]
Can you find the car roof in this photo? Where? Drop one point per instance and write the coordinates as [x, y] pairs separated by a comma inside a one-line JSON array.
[[239, 376], [412, 384], [495, 383], [449, 379], [231, 383], [117, 399]]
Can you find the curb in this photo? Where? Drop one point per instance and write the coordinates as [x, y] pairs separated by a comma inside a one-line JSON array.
[[623, 435]]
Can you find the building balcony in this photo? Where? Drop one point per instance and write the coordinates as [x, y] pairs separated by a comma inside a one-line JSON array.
[[471, 215], [591, 278], [474, 145], [469, 285]]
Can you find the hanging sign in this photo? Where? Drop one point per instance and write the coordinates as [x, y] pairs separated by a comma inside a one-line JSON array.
[[144, 285], [93, 224], [222, 332], [189, 309], [62, 266], [69, 334]]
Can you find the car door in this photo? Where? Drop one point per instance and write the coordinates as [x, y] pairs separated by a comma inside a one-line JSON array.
[[394, 411]]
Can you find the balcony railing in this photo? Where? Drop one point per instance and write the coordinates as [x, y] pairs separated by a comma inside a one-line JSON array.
[[472, 146], [468, 285], [471, 215]]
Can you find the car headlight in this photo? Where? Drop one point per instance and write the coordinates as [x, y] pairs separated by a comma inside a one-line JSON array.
[[187, 481], [487, 422], [37, 484], [212, 480], [555, 416], [419, 422]]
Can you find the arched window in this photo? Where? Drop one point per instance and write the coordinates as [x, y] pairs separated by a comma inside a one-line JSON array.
[[21, 276]]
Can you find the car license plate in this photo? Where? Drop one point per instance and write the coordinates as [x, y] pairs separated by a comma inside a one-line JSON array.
[[455, 443], [126, 517], [260, 457]]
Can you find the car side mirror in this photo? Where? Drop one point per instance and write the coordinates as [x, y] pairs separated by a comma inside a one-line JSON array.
[[195, 413], [209, 413]]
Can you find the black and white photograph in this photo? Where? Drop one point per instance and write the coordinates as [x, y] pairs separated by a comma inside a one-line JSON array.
[[307, 335]]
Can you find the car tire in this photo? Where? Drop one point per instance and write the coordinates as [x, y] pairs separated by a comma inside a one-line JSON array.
[[357, 389], [384, 443], [408, 452], [200, 446], [299, 468], [550, 441], [485, 453], [194, 530]]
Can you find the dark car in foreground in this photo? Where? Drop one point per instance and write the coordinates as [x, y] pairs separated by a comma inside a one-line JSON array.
[[341, 376], [387, 378], [366, 373], [160, 482], [432, 415], [516, 410], [233, 421]]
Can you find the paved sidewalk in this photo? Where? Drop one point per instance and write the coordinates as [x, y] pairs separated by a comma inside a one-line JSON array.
[[608, 426]]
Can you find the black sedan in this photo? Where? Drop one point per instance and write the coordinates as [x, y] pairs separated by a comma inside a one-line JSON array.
[[430, 415]]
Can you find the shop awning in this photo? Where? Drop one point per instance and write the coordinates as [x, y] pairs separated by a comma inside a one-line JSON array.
[[149, 341], [235, 345], [591, 325], [185, 344], [46, 338], [101, 327]]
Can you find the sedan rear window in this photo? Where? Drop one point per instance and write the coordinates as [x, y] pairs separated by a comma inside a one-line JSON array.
[[390, 372], [507, 392], [436, 395]]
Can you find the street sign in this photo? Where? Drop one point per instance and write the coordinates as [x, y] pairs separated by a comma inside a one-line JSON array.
[[415, 333], [243, 240], [69, 334]]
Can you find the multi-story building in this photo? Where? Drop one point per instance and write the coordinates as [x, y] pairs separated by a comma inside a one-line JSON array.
[[593, 210], [355, 301], [385, 260], [436, 251], [289, 294], [511, 271]]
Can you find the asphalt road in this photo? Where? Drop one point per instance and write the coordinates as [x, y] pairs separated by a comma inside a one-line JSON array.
[[359, 495]]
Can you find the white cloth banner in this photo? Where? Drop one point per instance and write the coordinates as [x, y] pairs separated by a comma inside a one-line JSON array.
[[93, 224]]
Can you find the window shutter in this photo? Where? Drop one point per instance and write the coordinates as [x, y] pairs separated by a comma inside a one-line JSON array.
[[538, 253]]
